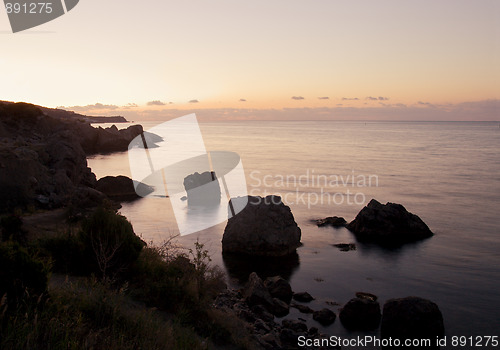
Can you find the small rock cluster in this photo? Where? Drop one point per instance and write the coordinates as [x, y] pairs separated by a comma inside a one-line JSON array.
[[259, 302]]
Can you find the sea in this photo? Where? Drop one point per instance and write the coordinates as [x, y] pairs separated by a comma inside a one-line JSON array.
[[448, 173]]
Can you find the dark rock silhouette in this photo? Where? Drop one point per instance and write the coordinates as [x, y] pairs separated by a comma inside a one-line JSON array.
[[121, 188], [361, 313], [345, 247], [265, 227], [388, 223], [412, 318], [43, 157], [279, 288], [303, 297], [334, 221]]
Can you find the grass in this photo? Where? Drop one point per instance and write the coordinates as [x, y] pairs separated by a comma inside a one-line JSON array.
[[159, 297]]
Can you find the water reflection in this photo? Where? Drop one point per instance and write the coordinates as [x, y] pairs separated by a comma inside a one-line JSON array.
[[238, 266]]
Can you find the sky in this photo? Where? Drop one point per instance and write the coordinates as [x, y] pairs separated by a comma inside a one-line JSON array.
[[227, 59]]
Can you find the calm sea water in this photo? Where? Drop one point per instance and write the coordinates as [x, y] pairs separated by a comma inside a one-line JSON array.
[[448, 173]]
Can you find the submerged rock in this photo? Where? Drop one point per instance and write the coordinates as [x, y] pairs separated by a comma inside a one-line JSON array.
[[303, 297], [324, 316], [388, 223], [334, 221], [265, 227], [412, 318], [345, 247]]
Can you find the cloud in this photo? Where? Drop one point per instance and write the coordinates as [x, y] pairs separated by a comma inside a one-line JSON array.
[[324, 98], [243, 100], [380, 98], [97, 106], [194, 101], [350, 99], [130, 105], [426, 104], [297, 98], [156, 103]]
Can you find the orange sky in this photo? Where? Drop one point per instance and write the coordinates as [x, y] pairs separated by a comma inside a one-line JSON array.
[[273, 55]]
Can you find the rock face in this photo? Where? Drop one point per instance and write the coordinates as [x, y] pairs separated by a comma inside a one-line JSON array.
[[43, 158], [121, 188], [388, 223], [360, 314], [412, 318], [264, 227]]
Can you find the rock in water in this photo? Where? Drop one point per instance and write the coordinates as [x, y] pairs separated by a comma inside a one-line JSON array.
[[255, 293], [334, 221], [324, 316], [412, 318], [360, 314], [202, 189], [122, 188], [388, 223], [264, 227]]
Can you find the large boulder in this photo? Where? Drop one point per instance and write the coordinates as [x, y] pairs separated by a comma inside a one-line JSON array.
[[264, 227], [388, 223], [412, 318], [360, 314], [202, 189]]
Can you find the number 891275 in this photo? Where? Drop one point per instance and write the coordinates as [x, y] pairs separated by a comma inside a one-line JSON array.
[[28, 8]]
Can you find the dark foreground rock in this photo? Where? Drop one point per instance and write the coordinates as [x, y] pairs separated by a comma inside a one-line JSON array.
[[334, 221], [265, 227], [360, 313], [279, 288], [251, 306], [388, 223], [121, 188], [412, 318]]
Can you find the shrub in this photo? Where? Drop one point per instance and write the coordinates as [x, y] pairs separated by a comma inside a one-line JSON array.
[[109, 243], [11, 227], [21, 275]]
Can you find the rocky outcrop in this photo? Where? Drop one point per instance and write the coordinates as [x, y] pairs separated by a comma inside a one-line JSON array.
[[265, 227], [388, 223], [43, 158], [122, 188], [361, 313], [202, 189], [334, 221], [412, 318]]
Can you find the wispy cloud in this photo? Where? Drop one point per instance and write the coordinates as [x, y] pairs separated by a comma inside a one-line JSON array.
[[380, 98], [350, 99], [194, 101], [243, 100], [324, 98], [297, 98], [130, 105], [94, 107], [156, 103]]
